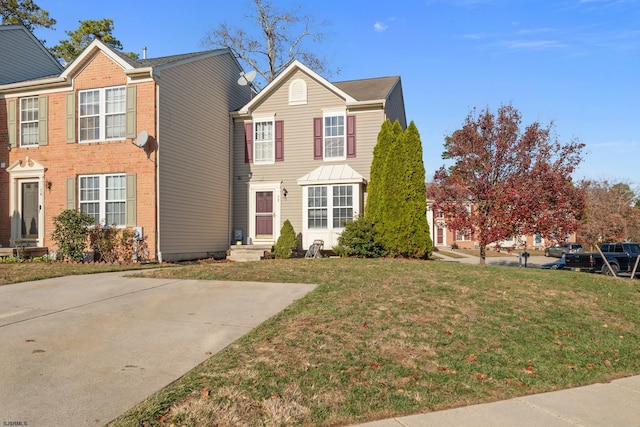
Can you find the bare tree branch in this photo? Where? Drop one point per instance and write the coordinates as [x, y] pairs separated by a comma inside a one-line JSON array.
[[272, 40]]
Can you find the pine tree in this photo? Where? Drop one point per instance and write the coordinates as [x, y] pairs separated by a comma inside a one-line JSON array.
[[383, 210], [374, 189], [405, 228]]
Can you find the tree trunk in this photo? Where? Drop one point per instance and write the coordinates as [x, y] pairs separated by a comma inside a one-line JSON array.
[[483, 254]]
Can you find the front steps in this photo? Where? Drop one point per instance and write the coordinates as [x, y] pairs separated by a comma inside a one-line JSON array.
[[244, 253]]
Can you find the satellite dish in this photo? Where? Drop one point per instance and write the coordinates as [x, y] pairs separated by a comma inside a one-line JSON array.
[[143, 138], [246, 78]]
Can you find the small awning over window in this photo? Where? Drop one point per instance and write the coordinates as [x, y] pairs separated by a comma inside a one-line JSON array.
[[332, 174]]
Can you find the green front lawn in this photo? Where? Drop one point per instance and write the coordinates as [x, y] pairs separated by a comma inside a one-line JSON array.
[[382, 338], [25, 271]]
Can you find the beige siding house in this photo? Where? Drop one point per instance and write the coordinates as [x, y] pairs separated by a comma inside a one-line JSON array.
[[302, 151]]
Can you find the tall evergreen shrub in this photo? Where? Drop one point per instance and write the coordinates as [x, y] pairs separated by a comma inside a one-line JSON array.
[[406, 228]]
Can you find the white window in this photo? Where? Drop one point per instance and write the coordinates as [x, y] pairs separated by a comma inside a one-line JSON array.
[[104, 198], [342, 205], [463, 237], [317, 207], [29, 121], [334, 136], [102, 114], [263, 141], [324, 211]]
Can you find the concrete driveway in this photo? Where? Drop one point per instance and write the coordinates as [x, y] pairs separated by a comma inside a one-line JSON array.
[[81, 350]]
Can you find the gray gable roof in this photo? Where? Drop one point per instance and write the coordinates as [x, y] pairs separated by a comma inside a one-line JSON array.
[[164, 60], [368, 89], [23, 57]]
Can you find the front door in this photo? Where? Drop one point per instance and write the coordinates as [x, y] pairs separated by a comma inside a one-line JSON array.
[[30, 210], [264, 215]]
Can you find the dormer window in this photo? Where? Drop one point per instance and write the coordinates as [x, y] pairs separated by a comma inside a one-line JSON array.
[[297, 92]]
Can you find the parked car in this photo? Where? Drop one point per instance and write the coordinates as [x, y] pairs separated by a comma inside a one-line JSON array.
[[623, 257], [560, 249], [556, 265]]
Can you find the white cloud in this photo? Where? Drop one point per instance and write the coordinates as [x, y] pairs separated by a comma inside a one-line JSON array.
[[532, 44], [380, 27]]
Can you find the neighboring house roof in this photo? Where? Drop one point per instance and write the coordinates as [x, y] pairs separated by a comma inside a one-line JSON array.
[[131, 65], [164, 60], [23, 56], [369, 89], [135, 68]]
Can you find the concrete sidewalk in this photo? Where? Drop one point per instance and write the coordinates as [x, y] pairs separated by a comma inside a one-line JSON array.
[[82, 350], [600, 405], [508, 260]]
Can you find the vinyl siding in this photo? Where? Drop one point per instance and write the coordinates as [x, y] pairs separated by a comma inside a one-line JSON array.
[[298, 149], [194, 165], [395, 106]]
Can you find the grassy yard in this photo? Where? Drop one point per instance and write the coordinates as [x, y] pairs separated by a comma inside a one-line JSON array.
[[11, 272], [382, 338]]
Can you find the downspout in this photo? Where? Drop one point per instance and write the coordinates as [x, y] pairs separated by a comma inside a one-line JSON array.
[[230, 192], [157, 167]]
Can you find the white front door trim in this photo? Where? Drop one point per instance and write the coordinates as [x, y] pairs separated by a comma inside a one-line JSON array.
[[253, 189], [23, 172]]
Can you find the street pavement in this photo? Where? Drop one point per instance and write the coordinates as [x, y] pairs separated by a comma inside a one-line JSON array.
[[82, 350]]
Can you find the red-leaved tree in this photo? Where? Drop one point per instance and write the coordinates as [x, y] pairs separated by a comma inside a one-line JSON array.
[[506, 182]]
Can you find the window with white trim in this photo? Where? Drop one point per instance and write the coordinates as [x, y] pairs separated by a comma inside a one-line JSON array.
[[29, 121], [102, 113], [342, 205], [463, 236], [317, 207], [104, 198], [263, 141], [325, 212], [334, 136]]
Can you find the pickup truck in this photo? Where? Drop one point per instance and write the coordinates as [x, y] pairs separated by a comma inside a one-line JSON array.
[[621, 257]]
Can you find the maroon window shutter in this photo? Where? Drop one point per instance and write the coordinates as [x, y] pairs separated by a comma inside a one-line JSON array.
[[279, 140], [248, 142], [317, 138], [351, 136]]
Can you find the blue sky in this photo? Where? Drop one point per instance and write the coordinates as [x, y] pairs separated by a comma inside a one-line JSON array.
[[575, 63]]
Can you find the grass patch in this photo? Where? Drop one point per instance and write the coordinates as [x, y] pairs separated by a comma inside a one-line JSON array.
[[381, 338], [27, 271]]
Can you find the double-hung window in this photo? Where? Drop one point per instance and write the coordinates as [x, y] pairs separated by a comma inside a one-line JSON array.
[[329, 206], [334, 136], [104, 198], [263, 141], [102, 114], [317, 207], [342, 205], [29, 121]]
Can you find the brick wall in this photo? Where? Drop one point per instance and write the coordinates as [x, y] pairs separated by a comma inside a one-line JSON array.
[[64, 160]]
